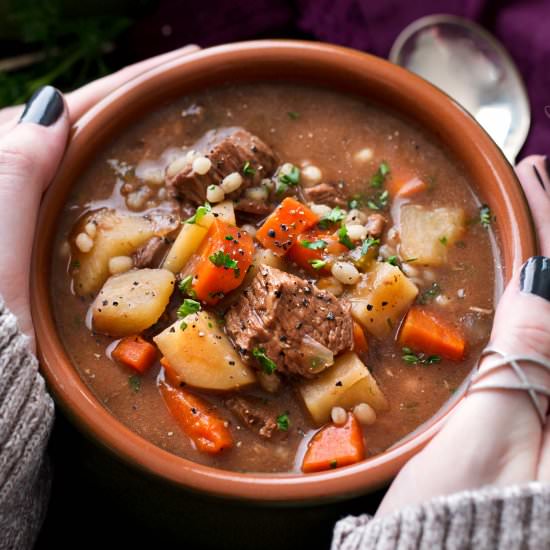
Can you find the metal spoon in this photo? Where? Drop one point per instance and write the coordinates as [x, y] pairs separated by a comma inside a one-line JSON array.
[[470, 65]]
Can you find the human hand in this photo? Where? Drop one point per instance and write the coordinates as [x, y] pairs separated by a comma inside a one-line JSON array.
[[495, 436], [32, 144]]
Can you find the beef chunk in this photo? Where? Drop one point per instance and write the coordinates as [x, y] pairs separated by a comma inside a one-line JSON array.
[[228, 149], [326, 193], [251, 412], [375, 225], [145, 255], [289, 318]]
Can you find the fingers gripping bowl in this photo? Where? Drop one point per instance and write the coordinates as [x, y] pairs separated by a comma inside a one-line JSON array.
[[377, 180]]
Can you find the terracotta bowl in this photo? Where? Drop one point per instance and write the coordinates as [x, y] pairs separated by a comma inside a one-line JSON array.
[[318, 64]]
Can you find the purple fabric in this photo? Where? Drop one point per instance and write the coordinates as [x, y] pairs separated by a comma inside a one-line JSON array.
[[523, 26]]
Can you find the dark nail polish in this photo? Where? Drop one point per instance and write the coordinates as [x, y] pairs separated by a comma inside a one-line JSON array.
[[538, 176], [535, 277], [44, 107]]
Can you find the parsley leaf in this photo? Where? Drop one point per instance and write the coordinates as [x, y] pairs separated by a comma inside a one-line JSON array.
[[356, 201], [188, 307], [183, 325], [221, 259], [392, 260], [290, 179], [419, 358], [318, 264], [380, 201], [248, 170], [443, 240], [368, 243], [314, 245], [485, 216], [134, 382], [293, 115], [200, 213], [429, 294], [283, 422], [380, 177], [336, 215], [343, 237], [185, 286], [267, 364]]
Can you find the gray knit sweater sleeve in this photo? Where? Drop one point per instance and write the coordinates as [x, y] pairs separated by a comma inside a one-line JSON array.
[[507, 518], [26, 417]]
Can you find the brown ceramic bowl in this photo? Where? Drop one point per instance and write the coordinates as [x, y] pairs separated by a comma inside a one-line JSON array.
[[329, 66]]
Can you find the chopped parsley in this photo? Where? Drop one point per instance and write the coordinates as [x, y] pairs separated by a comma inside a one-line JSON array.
[[185, 286], [134, 382], [248, 170], [380, 177], [380, 201], [356, 201], [392, 260], [318, 264], [443, 240], [229, 237], [293, 115], [267, 364], [336, 215], [314, 245], [333, 464], [418, 358], [343, 237], [283, 422], [188, 307], [368, 243], [284, 181], [485, 216], [221, 259], [75, 264], [183, 325], [200, 213], [429, 294]]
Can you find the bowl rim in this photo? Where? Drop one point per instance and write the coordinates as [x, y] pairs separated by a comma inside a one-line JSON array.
[[78, 401]]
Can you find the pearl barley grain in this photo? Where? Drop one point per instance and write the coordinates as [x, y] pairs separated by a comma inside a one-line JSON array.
[[201, 165], [364, 155], [84, 242], [345, 272], [91, 229], [312, 174], [365, 414], [338, 415], [214, 193], [231, 182]]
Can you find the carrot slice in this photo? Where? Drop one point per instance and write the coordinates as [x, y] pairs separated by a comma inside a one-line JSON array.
[[209, 432], [136, 353], [360, 342], [335, 446], [284, 224], [303, 255], [424, 331], [407, 188], [221, 263]]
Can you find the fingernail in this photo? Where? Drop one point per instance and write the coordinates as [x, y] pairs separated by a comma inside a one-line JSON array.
[[535, 277], [44, 107]]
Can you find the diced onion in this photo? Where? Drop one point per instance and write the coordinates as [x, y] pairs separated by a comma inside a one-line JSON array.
[[317, 356]]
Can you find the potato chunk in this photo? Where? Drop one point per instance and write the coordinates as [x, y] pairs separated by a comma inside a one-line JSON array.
[[381, 298], [346, 384], [129, 303], [116, 234], [426, 233], [186, 244], [202, 356]]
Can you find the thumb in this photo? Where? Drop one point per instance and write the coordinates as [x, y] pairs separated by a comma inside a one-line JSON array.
[[30, 154]]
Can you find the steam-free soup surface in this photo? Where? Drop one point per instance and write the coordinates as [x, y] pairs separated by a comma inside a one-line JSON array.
[[364, 156]]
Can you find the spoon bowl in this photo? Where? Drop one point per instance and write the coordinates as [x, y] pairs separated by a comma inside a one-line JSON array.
[[471, 66]]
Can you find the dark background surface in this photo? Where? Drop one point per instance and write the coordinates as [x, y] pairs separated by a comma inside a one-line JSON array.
[[90, 510]]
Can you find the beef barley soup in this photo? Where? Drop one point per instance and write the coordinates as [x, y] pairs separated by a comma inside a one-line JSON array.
[[274, 278]]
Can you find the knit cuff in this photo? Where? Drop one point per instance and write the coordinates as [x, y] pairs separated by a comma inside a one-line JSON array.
[[492, 517], [26, 418]]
